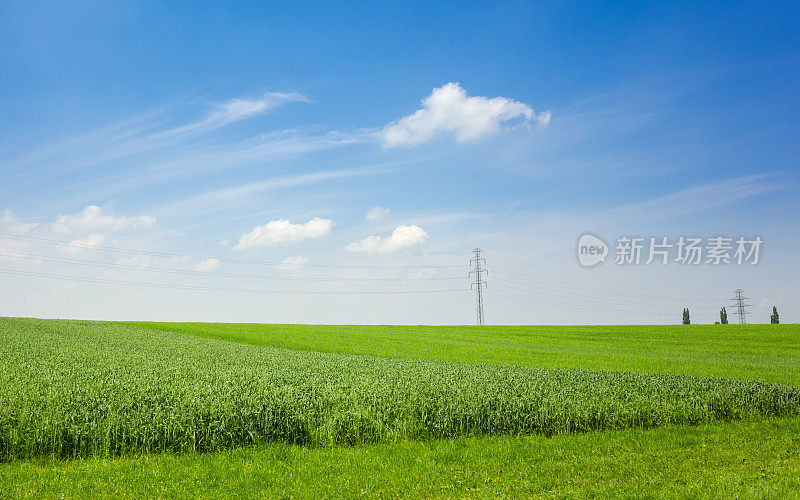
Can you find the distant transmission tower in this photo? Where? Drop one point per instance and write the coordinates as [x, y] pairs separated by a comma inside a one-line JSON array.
[[741, 305], [479, 282]]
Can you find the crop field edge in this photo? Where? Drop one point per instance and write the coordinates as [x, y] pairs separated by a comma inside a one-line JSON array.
[[753, 458]]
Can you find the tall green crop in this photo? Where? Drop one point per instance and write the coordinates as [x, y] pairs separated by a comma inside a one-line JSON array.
[[72, 389]]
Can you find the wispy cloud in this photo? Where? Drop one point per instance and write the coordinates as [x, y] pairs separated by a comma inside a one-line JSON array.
[[211, 157], [148, 132], [696, 198], [196, 203], [293, 263], [375, 214], [241, 109], [207, 265], [154, 150], [161, 146], [232, 111]]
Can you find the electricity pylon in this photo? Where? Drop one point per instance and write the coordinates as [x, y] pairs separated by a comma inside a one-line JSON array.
[[479, 282], [741, 305]]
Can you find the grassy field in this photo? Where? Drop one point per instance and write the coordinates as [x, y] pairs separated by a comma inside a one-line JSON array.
[[740, 459], [769, 353], [465, 409]]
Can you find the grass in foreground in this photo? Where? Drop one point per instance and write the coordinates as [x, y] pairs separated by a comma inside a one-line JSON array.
[[769, 353], [741, 459], [74, 389]]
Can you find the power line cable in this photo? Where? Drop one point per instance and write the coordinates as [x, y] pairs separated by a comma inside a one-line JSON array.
[[95, 229], [73, 244], [83, 262], [537, 295], [569, 306], [571, 278], [220, 289], [584, 288]]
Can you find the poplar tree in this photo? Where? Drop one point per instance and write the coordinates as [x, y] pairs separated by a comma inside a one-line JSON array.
[[774, 319]]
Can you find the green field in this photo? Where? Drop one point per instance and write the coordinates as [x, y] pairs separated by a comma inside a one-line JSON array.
[[273, 410], [768, 353]]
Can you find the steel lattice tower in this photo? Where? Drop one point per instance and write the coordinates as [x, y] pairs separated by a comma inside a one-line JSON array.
[[479, 282], [741, 305]]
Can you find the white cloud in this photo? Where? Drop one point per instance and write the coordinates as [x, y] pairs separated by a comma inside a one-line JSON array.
[[80, 227], [293, 263], [449, 110], [207, 265], [375, 214], [92, 217], [90, 240], [241, 109], [696, 198], [282, 231], [402, 237], [135, 260], [14, 224], [198, 202], [544, 118], [180, 259], [422, 274], [176, 141]]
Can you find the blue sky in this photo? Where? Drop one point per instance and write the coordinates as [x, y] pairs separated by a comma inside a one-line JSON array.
[[326, 144]]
